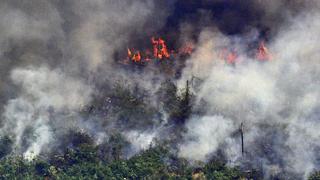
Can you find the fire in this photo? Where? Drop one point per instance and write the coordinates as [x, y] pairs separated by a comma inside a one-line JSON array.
[[160, 50], [263, 53], [129, 53], [229, 56], [135, 57]]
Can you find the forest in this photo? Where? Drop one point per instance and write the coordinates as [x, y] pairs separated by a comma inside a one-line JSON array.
[[160, 89], [78, 156]]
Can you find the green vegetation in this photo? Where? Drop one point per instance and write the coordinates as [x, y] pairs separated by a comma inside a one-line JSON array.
[[81, 158], [84, 160], [315, 176], [177, 106]]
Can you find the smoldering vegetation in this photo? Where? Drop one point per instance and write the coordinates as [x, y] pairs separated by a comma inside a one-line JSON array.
[[64, 83]]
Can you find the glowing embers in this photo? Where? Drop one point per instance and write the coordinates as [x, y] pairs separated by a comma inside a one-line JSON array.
[[160, 51]]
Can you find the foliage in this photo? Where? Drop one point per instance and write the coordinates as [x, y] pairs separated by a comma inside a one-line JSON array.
[[83, 163], [218, 170], [167, 96], [80, 158], [131, 107], [315, 176], [113, 148], [177, 105]]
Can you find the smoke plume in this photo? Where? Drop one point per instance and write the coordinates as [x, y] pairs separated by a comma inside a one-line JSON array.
[[277, 101]]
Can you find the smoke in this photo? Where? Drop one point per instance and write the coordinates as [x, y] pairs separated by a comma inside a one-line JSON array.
[[206, 135], [277, 101], [54, 57], [44, 93], [58, 57], [140, 140], [106, 26]]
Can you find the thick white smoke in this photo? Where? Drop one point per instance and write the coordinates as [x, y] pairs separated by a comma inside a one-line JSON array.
[[53, 54], [206, 135], [140, 140], [106, 27], [276, 97], [44, 93]]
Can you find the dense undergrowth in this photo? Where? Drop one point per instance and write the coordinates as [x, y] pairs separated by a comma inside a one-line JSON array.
[[89, 161]]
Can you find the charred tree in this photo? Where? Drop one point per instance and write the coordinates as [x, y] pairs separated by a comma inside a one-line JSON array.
[[241, 134]]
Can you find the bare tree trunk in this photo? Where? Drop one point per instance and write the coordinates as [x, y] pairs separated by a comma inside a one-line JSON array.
[[242, 145]]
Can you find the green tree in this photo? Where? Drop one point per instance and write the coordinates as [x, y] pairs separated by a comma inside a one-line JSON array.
[[113, 149]]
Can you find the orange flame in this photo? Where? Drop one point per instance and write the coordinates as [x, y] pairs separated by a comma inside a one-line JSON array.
[[129, 53], [159, 48], [136, 57], [263, 53]]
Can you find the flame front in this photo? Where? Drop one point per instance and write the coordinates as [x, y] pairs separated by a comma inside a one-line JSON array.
[[160, 51]]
